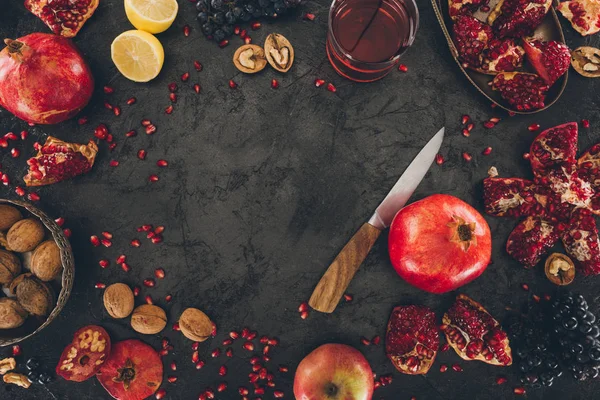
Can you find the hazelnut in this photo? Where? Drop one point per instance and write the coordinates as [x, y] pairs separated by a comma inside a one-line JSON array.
[[25, 235], [45, 261], [34, 295], [118, 300], [9, 215], [12, 315], [7, 364], [17, 379], [559, 269], [279, 52], [250, 58], [148, 319], [10, 267], [195, 325]]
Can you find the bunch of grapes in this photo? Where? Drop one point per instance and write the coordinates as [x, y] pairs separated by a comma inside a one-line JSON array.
[[218, 18]]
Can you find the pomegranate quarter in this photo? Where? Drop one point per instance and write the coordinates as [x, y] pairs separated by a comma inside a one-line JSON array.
[[439, 243]]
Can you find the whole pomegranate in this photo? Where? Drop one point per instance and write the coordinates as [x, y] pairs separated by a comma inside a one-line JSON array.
[[43, 78], [439, 243]]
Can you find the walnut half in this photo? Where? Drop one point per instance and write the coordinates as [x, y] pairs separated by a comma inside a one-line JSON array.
[[279, 52], [17, 379], [7, 364], [586, 61], [250, 59]]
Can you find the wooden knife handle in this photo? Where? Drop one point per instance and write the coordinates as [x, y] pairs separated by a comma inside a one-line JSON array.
[[335, 281]]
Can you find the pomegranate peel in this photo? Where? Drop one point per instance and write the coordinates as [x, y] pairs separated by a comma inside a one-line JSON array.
[[474, 334], [57, 160], [412, 339], [518, 18], [64, 18], [583, 15], [550, 60]]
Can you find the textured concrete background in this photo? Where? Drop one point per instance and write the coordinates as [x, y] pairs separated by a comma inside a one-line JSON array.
[[263, 189]]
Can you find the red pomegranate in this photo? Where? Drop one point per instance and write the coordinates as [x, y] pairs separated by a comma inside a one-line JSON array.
[[439, 243], [43, 78]]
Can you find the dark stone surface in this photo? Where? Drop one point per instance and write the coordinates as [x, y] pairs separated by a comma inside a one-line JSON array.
[[263, 189]]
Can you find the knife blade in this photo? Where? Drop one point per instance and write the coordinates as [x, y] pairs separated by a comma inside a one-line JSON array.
[[328, 292]]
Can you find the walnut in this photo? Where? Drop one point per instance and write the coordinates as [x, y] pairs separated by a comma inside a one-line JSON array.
[[10, 267], [34, 295], [250, 58], [7, 364], [12, 314], [4, 242], [279, 52], [148, 319], [45, 261], [195, 325], [559, 269], [118, 300], [17, 379], [9, 215], [25, 235], [586, 61]]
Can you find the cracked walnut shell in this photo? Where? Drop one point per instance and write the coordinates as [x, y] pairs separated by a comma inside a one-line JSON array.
[[148, 319], [586, 61], [250, 59], [12, 314], [279, 52], [25, 235], [45, 261], [118, 300], [559, 269], [195, 325]]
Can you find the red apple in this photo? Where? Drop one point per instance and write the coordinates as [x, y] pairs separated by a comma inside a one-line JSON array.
[[334, 372]]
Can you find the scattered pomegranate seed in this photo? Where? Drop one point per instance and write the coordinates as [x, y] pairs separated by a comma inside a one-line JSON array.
[[489, 124], [131, 133], [512, 113], [195, 357], [243, 391], [109, 138], [148, 299], [108, 106], [319, 82], [162, 163], [443, 368], [247, 40], [82, 120], [125, 267], [16, 350], [259, 390], [348, 297], [266, 349], [141, 154], [169, 109], [112, 146], [221, 387], [234, 335], [135, 243], [376, 340], [470, 126], [223, 43], [365, 341], [66, 232], [274, 84], [150, 129], [149, 282], [160, 394], [331, 88], [159, 273], [173, 97], [457, 368], [114, 163], [172, 378], [6, 181], [117, 111], [273, 342], [94, 241], [106, 242], [304, 314], [216, 353], [536, 298], [245, 333], [232, 84], [227, 342], [101, 132], [248, 346], [533, 127], [186, 30], [251, 335], [439, 159], [108, 90], [243, 33], [20, 191], [467, 157], [526, 156], [15, 153], [223, 370], [525, 286], [4, 143], [547, 297], [153, 178], [160, 228], [136, 290], [185, 76], [255, 25], [229, 352], [104, 263], [402, 68], [501, 380], [466, 132], [465, 119], [495, 120], [309, 16], [585, 123], [100, 285], [131, 101], [486, 151], [11, 136], [60, 221], [197, 65], [519, 390], [156, 239]]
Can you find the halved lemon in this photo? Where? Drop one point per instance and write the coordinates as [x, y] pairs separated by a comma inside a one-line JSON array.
[[154, 16], [138, 55]]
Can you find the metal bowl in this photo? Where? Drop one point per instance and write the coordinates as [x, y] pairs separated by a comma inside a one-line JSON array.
[[33, 326], [549, 29]]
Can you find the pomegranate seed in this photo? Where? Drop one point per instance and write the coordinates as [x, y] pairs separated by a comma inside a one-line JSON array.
[[165, 342], [304, 314], [185, 76], [229, 352], [108, 90], [66, 232], [232, 84], [131, 133], [273, 342], [109, 138], [197, 66], [243, 391], [20, 191], [251, 335], [117, 111], [221, 387], [159, 229], [274, 84], [153, 178], [4, 143], [331, 88], [101, 132], [585, 123], [160, 394], [148, 299], [106, 242], [195, 357], [125, 267], [319, 82], [94, 241], [11, 136], [236, 30], [526, 156], [470, 126], [253, 377], [186, 30], [489, 124], [216, 353], [376, 340], [156, 239], [439, 159], [114, 163], [457, 368], [536, 298], [234, 335], [266, 349], [15, 152], [81, 121], [195, 346], [33, 197], [283, 368], [104, 263], [159, 273], [243, 33], [309, 16], [169, 110], [173, 97], [150, 129], [141, 154], [112, 146], [223, 43], [525, 286], [176, 327], [149, 282], [365, 341], [402, 68], [466, 132], [162, 163], [519, 390], [209, 393], [487, 151], [255, 25], [495, 120], [547, 297], [259, 390], [348, 297], [60, 221], [247, 40], [223, 370], [5, 180], [197, 88], [121, 259], [16, 350], [533, 127], [465, 119], [100, 285], [136, 291], [501, 380], [443, 368], [135, 243], [173, 366], [249, 346], [245, 333], [512, 113], [466, 156], [172, 378], [227, 342], [108, 106], [131, 101]]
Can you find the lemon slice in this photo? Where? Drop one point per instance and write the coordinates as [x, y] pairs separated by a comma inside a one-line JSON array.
[[138, 55], [152, 16]]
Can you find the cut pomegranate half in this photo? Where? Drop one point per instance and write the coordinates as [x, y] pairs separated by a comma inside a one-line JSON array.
[[511, 197], [502, 55], [552, 147], [531, 239], [474, 334], [550, 60], [589, 166], [412, 339], [64, 17], [584, 15], [456, 8], [518, 18], [57, 161], [471, 37], [581, 241], [523, 91]]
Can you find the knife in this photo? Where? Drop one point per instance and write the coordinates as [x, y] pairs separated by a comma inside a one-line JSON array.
[[336, 279]]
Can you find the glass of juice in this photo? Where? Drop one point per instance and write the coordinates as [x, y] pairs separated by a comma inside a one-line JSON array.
[[366, 38]]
